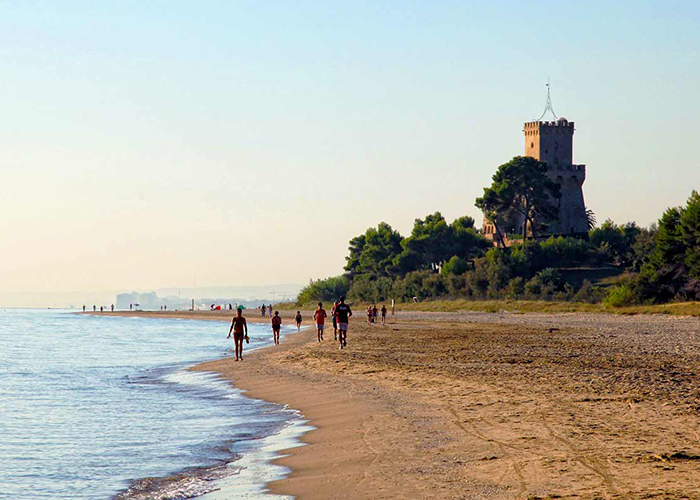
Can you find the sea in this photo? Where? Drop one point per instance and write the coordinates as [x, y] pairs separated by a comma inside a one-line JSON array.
[[100, 407]]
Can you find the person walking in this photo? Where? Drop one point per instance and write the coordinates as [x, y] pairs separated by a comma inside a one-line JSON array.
[[374, 313], [270, 310], [383, 314], [238, 324], [83, 307], [298, 320], [342, 314], [264, 309], [276, 326], [320, 319], [369, 315]]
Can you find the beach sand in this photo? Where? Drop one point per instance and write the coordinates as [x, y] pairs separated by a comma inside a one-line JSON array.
[[479, 405]]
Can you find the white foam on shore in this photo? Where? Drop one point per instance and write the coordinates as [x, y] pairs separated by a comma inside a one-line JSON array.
[[255, 468]]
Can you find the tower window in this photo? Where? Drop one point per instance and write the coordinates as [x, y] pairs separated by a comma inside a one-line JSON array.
[[532, 144]]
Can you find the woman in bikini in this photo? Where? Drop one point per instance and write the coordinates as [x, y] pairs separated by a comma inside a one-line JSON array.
[[298, 318], [276, 325], [238, 324]]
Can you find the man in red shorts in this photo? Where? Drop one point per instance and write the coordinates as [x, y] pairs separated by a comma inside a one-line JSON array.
[[320, 318]]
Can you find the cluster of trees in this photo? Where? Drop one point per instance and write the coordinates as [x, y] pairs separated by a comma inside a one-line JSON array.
[[666, 258], [452, 260]]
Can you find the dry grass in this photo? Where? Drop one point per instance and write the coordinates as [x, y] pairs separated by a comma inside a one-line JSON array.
[[525, 306]]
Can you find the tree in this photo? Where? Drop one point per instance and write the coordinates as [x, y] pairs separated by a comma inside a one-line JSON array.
[[493, 206], [433, 242], [669, 250], [616, 241], [690, 233], [374, 252], [466, 242], [523, 186], [590, 219], [429, 244]]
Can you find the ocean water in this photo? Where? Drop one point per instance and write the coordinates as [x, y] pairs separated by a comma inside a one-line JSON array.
[[103, 408]]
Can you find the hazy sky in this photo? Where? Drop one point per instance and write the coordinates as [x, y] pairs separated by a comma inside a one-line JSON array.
[[152, 144]]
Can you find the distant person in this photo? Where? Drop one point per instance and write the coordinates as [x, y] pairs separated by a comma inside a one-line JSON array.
[[237, 325], [320, 319], [264, 309], [276, 326], [83, 307], [369, 315], [102, 309], [161, 308], [112, 307], [94, 308], [269, 309], [383, 314], [131, 306], [165, 307], [335, 321], [342, 314], [230, 307], [374, 313], [298, 320]]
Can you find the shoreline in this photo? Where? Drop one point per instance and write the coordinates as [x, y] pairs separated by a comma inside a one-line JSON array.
[[482, 405]]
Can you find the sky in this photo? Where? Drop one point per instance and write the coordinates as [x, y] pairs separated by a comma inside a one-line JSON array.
[[159, 144]]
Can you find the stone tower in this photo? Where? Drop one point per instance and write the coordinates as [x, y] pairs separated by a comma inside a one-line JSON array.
[[553, 143]]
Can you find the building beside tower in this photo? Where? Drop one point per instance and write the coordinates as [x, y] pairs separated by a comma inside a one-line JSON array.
[[552, 142]]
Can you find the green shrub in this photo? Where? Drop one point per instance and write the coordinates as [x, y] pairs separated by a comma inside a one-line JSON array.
[[327, 289], [620, 296]]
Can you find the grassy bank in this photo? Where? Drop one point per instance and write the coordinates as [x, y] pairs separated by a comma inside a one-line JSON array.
[[525, 306]]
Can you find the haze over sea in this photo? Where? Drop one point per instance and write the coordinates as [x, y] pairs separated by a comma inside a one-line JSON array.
[[95, 407]]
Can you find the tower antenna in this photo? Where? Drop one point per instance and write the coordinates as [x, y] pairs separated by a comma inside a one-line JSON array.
[[548, 106]]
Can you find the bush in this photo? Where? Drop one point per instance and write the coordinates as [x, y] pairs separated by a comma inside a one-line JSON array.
[[327, 289], [456, 265], [620, 296], [589, 293], [516, 288]]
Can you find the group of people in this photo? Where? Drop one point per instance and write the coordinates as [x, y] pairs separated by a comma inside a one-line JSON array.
[[372, 312], [94, 308], [264, 309], [340, 314]]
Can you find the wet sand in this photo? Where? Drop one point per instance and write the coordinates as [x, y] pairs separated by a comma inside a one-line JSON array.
[[479, 405]]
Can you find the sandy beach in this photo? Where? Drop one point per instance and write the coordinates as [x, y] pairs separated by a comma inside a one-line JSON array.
[[486, 405]]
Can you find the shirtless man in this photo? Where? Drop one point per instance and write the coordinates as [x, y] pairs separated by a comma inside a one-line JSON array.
[[237, 326], [276, 326], [320, 318], [342, 314]]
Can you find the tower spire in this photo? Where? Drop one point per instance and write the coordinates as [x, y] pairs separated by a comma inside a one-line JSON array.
[[548, 106]]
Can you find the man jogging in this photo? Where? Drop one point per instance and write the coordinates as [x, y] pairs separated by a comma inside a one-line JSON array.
[[237, 325], [342, 315], [320, 318]]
